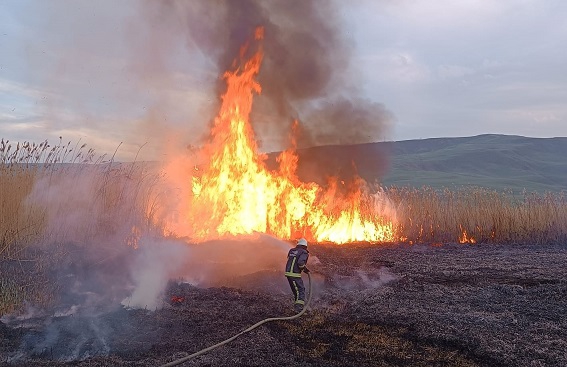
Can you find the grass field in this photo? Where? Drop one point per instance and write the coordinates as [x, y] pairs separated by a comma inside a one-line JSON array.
[[54, 195], [499, 162], [461, 256], [64, 194]]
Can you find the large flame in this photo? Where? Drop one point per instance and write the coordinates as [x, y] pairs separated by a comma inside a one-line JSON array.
[[234, 193]]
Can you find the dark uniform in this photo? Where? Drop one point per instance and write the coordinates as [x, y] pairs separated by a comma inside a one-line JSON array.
[[296, 261]]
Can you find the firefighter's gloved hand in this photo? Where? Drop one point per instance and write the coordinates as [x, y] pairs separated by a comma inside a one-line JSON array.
[[305, 270]]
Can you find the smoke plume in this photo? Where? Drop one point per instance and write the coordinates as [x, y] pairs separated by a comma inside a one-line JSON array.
[[95, 215], [305, 71], [151, 70]]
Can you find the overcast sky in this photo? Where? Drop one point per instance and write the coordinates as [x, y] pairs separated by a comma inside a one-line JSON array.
[[84, 70]]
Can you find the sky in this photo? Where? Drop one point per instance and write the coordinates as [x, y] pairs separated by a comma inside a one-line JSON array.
[[105, 74]]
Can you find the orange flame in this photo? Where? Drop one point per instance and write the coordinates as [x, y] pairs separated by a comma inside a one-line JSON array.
[[464, 237], [234, 193]]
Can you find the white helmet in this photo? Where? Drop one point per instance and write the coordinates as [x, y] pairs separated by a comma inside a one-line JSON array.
[[302, 242]]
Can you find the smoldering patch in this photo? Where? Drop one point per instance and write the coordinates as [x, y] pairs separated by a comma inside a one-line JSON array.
[[361, 279]]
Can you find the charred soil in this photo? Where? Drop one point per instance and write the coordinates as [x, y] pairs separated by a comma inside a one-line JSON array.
[[451, 305]]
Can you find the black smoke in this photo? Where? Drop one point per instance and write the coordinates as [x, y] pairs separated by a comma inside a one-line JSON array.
[[306, 72]]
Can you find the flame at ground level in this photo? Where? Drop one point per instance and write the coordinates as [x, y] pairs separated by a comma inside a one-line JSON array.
[[234, 193]]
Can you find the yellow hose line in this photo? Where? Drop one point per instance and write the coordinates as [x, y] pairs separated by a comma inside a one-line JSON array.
[[185, 359]]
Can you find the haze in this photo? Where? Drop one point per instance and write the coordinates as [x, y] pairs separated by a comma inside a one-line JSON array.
[[108, 72]]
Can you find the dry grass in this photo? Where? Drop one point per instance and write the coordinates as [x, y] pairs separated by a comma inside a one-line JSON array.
[[479, 215], [63, 194], [21, 165], [56, 194]]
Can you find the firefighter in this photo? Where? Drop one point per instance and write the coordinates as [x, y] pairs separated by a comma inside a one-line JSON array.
[[296, 263]]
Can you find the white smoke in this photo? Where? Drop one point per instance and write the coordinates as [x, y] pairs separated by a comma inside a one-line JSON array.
[[363, 279], [157, 261], [214, 263]]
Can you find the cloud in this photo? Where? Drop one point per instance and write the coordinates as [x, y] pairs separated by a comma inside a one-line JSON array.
[[396, 66], [453, 71], [97, 70], [469, 62], [12, 88]]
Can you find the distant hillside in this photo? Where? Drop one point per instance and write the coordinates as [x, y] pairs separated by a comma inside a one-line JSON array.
[[494, 161]]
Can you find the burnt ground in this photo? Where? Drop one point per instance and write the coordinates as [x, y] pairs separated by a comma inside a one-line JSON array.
[[453, 305]]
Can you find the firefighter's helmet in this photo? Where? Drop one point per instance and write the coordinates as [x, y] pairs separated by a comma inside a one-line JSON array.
[[302, 242]]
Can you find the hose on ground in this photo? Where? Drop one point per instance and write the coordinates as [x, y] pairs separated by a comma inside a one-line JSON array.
[[185, 359]]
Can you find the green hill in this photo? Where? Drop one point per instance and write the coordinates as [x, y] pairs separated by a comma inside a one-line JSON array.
[[494, 161]]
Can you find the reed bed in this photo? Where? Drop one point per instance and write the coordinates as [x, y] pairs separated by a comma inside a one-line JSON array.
[[56, 194], [479, 215]]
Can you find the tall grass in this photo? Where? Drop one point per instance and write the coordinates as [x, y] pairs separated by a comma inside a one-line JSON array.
[[481, 215], [56, 194], [62, 193]]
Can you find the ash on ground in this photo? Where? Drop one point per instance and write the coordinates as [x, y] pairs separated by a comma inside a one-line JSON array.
[[453, 305]]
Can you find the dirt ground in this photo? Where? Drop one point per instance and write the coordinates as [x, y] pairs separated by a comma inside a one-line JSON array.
[[451, 305]]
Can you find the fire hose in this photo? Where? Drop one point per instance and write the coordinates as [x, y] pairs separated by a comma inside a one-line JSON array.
[[185, 359]]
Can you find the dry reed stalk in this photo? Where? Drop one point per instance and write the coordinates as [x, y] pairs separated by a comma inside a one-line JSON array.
[[479, 215], [123, 201], [40, 184]]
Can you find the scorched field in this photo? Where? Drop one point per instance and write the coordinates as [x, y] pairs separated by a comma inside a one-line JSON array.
[[421, 305]]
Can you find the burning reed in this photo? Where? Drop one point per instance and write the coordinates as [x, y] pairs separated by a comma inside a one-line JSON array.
[[57, 195]]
